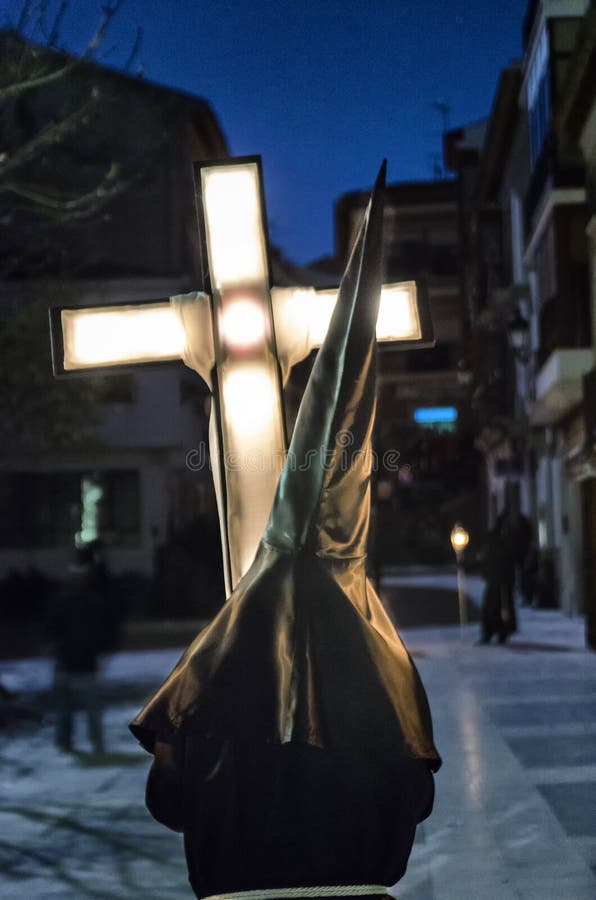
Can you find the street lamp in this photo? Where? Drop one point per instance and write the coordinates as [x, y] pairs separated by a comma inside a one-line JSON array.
[[459, 541]]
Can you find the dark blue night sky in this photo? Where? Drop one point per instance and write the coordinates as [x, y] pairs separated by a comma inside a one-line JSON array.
[[322, 90]]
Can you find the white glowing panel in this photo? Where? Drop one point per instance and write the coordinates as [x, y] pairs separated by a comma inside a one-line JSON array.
[[398, 318], [318, 312], [235, 239], [304, 314], [250, 398], [112, 336], [254, 452]]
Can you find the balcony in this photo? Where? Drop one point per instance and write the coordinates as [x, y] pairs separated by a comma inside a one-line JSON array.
[[559, 384], [565, 317], [550, 172]]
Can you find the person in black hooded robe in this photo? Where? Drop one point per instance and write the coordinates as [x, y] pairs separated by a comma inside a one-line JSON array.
[[498, 603], [293, 742]]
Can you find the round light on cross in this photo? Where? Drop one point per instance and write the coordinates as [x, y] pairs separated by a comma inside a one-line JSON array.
[[459, 538], [242, 323]]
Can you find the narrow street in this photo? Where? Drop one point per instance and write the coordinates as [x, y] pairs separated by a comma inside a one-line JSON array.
[[515, 811]]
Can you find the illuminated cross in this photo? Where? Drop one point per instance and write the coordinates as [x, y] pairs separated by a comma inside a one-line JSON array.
[[241, 336]]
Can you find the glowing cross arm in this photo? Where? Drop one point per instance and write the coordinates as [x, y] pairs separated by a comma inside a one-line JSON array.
[[302, 316], [87, 338]]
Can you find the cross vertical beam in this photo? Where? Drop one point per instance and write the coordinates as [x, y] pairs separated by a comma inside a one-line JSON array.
[[248, 422]]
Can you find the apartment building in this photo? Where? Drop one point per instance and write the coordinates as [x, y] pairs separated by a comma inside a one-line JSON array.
[[421, 413], [526, 212]]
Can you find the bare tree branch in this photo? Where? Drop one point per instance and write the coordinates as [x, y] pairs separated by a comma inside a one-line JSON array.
[[28, 84], [24, 15], [44, 181], [68, 209], [109, 10], [42, 7], [57, 23], [19, 86], [135, 49], [48, 137]]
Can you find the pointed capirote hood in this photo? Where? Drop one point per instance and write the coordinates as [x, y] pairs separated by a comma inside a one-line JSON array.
[[303, 650], [322, 499]]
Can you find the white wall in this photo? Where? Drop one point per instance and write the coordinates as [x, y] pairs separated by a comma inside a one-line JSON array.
[[544, 503], [157, 417]]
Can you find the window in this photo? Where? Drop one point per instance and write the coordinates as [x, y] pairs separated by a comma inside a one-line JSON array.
[[406, 258], [433, 359], [47, 509], [39, 509], [539, 100], [544, 263], [121, 512], [443, 259]]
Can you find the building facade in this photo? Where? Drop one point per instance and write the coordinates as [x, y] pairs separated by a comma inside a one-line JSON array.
[[556, 258], [577, 117], [525, 227], [492, 178], [129, 485], [421, 413]]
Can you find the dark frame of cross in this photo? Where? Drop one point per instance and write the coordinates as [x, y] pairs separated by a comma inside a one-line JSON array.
[[240, 335]]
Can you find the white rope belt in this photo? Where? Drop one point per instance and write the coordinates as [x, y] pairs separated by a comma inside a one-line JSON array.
[[342, 890]]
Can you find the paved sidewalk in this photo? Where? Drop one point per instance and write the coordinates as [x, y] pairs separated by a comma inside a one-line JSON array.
[[515, 812]]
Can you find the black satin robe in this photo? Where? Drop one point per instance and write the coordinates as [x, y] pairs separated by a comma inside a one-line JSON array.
[[293, 743], [256, 814]]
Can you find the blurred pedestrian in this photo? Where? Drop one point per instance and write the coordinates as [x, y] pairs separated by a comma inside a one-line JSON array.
[[498, 606], [81, 627], [522, 538], [528, 581]]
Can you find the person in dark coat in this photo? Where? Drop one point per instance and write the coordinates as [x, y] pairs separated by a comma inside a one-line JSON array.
[[498, 605], [293, 743], [528, 579], [522, 540], [81, 627]]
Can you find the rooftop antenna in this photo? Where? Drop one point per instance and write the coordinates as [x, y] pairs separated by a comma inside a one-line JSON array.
[[443, 108], [436, 165]]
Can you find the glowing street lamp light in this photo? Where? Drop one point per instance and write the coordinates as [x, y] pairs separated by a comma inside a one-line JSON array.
[[459, 541], [240, 335]]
